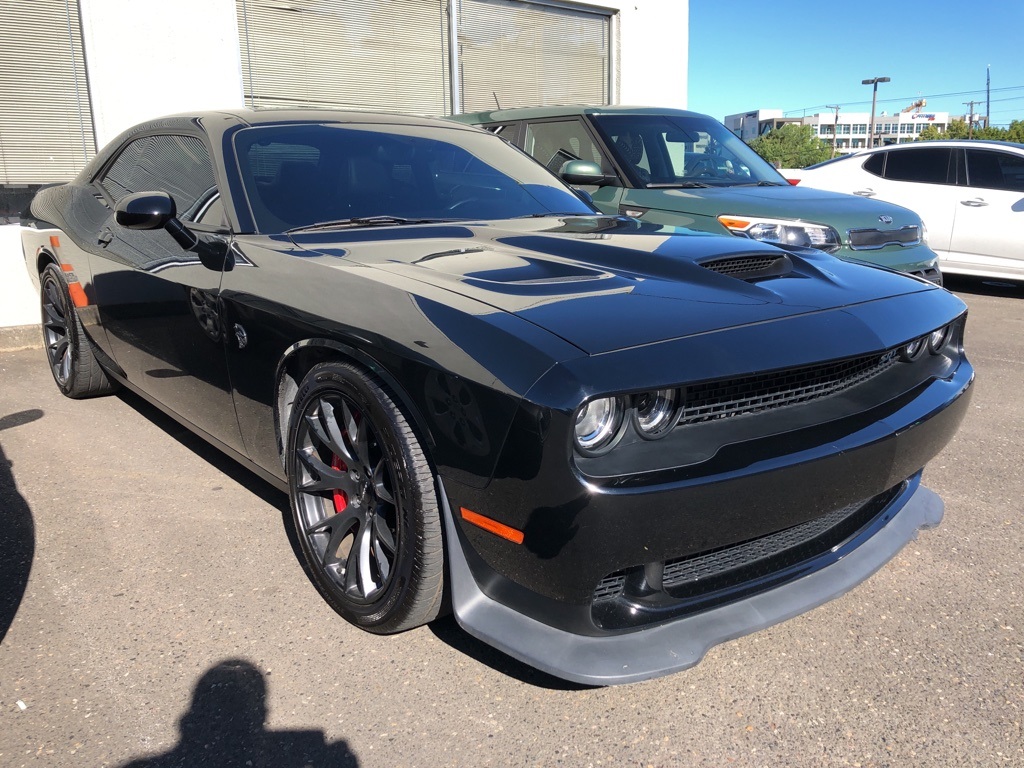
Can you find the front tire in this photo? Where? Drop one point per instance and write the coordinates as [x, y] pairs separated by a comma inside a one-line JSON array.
[[363, 502], [69, 351]]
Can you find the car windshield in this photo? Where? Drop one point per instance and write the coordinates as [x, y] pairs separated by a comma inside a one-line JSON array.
[[683, 151], [368, 175]]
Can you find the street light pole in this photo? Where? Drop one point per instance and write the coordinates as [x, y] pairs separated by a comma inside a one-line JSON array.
[[873, 82]]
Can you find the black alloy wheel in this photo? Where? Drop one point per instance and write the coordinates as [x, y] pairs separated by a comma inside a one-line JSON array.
[[363, 502], [69, 352]]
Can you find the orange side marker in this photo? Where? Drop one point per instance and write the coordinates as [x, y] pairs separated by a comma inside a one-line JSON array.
[[54, 241], [492, 526]]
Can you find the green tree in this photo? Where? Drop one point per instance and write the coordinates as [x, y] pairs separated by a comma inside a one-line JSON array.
[[792, 146]]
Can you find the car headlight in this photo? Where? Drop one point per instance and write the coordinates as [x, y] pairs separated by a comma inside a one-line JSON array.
[[598, 424], [783, 232], [937, 339], [655, 413]]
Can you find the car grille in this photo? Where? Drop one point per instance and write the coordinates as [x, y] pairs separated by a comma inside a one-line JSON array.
[[873, 239], [751, 394], [695, 582]]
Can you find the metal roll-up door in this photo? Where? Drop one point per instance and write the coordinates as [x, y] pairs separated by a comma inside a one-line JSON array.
[[520, 54], [357, 54], [46, 132]]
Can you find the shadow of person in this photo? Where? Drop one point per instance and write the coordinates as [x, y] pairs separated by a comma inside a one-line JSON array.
[[225, 728], [17, 532]]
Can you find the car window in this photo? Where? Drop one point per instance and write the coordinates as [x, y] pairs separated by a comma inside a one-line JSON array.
[[297, 175], [928, 165], [685, 150], [553, 144], [875, 164], [178, 165], [995, 170]]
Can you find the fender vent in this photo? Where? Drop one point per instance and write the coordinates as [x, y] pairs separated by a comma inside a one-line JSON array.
[[754, 267]]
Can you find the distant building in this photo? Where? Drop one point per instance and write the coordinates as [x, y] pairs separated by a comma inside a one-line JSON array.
[[850, 133], [750, 125]]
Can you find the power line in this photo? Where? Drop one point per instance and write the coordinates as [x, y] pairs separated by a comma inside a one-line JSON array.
[[903, 99]]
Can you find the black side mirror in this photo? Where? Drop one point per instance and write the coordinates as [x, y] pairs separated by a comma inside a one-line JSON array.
[[156, 210], [585, 172], [145, 210]]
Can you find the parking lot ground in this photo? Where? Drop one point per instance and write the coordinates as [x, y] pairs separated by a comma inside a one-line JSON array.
[[151, 605]]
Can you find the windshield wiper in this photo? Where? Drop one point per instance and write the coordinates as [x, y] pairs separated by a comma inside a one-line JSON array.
[[362, 221], [763, 184], [556, 213], [677, 185]]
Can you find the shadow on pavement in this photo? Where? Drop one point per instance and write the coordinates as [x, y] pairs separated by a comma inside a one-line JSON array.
[[225, 727], [983, 286], [17, 531], [448, 631]]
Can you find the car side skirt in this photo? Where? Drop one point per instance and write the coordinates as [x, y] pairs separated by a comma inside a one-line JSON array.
[[630, 657]]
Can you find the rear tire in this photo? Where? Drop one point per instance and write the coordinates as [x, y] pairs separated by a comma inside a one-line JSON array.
[[363, 502], [70, 353]]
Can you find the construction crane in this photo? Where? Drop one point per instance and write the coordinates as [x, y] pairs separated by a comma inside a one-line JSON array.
[[917, 106]]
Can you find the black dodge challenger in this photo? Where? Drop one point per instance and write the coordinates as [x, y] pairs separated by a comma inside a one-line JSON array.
[[607, 445]]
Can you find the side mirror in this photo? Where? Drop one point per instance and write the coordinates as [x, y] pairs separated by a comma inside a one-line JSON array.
[[584, 172], [156, 210], [145, 210]]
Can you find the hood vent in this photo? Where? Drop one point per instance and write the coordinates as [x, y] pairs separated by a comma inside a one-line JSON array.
[[757, 266]]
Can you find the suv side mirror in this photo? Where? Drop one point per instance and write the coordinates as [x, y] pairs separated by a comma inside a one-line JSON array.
[[585, 172]]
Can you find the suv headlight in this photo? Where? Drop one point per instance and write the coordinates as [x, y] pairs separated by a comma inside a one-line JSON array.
[[783, 232]]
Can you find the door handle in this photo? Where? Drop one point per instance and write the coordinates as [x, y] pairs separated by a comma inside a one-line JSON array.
[[975, 203], [865, 192], [105, 237]]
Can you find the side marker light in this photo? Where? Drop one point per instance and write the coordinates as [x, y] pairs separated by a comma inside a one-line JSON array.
[[492, 526]]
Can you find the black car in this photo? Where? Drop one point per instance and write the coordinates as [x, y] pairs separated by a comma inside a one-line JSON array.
[[612, 443]]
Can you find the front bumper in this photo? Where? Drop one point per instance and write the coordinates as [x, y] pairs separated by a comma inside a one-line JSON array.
[[630, 657]]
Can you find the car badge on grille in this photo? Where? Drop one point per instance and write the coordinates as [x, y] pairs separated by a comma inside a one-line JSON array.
[[885, 219]]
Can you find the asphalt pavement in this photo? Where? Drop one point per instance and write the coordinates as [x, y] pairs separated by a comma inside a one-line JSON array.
[[152, 609]]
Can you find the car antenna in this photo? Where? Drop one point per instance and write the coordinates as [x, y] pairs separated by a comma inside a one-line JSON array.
[[495, 94]]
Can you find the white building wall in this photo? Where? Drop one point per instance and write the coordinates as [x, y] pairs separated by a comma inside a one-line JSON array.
[[653, 55], [149, 59]]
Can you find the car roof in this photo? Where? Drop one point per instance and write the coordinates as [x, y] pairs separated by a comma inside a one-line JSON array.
[[961, 143], [570, 110]]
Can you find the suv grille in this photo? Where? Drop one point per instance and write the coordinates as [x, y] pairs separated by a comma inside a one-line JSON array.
[[749, 394], [873, 239]]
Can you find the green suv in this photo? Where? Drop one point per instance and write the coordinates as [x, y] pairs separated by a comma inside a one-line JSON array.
[[669, 166]]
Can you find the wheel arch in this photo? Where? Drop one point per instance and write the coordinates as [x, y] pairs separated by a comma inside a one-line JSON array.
[[299, 358]]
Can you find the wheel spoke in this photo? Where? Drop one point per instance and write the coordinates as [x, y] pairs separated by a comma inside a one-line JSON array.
[[379, 473], [325, 427], [328, 478], [363, 541], [383, 564], [383, 534], [340, 524]]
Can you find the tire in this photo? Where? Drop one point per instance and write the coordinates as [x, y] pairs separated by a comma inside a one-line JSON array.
[[69, 352], [363, 502]]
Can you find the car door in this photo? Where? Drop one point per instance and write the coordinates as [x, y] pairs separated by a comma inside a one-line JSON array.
[[919, 178], [553, 143], [988, 212], [157, 302]]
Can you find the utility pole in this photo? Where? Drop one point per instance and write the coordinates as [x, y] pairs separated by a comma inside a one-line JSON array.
[[835, 126], [970, 118], [988, 95], [874, 96]]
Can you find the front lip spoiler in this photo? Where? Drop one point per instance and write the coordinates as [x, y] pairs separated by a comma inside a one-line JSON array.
[[676, 645]]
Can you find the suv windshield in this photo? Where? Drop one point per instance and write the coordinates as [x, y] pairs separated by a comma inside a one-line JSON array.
[[355, 175], [671, 150]]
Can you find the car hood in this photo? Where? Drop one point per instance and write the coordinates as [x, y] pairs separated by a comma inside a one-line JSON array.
[[606, 283], [780, 202]]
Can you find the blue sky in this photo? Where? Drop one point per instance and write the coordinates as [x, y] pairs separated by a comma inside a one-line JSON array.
[[795, 55]]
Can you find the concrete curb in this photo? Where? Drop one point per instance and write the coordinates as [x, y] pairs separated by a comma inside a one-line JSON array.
[[20, 337]]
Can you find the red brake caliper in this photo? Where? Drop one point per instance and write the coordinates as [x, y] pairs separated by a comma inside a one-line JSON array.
[[340, 499]]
